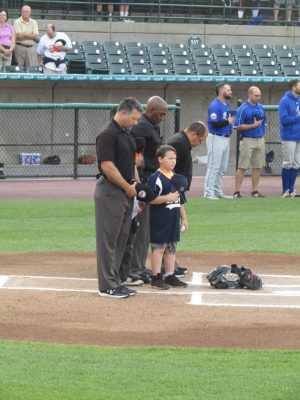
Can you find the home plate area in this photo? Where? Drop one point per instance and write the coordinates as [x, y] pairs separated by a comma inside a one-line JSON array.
[[279, 291]]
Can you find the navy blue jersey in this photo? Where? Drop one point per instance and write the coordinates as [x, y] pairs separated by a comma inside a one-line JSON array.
[[218, 112], [245, 115], [164, 218]]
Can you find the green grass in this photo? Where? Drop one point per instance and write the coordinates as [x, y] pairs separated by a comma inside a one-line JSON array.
[[40, 371], [245, 225]]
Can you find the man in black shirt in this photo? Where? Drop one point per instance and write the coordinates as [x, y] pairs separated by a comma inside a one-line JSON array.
[[114, 195], [183, 142]]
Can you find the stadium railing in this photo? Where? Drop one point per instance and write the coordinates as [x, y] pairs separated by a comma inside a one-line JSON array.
[[202, 11]]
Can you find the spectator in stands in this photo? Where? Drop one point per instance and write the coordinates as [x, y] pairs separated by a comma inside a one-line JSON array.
[[52, 50], [250, 121], [253, 4], [109, 13], [124, 10], [27, 33], [289, 7], [7, 39]]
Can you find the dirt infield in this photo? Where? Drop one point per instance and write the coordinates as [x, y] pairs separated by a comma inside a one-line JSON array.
[[54, 309]]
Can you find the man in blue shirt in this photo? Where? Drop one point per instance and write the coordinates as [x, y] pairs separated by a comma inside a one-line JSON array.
[[289, 115], [220, 122], [250, 120]]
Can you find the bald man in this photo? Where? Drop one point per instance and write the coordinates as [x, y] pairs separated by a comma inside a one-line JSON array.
[[148, 128], [250, 121], [27, 33]]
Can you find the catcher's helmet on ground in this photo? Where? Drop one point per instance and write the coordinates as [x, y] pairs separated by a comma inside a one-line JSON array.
[[223, 278]]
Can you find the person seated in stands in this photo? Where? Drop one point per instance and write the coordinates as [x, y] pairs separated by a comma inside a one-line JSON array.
[[7, 39], [109, 14], [289, 8], [52, 50], [253, 4]]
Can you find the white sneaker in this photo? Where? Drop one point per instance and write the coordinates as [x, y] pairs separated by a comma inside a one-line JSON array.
[[211, 197], [293, 194], [224, 196], [285, 194], [133, 282]]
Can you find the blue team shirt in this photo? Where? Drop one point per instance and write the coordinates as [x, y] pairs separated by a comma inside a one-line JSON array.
[[217, 112], [164, 218], [245, 115], [289, 105]]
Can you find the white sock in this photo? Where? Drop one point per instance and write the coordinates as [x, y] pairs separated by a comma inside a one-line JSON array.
[[121, 13], [254, 13], [125, 14], [240, 14], [169, 273]]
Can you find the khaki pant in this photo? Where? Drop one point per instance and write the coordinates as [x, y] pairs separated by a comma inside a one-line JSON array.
[[25, 56]]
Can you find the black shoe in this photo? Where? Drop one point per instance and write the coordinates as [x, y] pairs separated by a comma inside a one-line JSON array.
[[130, 292], [237, 195], [158, 282], [172, 280], [182, 269], [256, 194], [118, 293], [145, 277], [179, 273]]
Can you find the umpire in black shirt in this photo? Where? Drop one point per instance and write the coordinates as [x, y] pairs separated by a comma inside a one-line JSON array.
[[114, 193]]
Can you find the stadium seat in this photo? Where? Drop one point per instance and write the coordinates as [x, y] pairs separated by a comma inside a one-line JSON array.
[[261, 46], [114, 51], [74, 54], [139, 69], [157, 52], [197, 46], [205, 70], [227, 70], [226, 52], [225, 61], [76, 66], [282, 48], [291, 71], [248, 71], [284, 54], [160, 61], [35, 69], [136, 52], [243, 52], [156, 45], [203, 61], [220, 46], [90, 43], [177, 46], [118, 69], [94, 50], [268, 62], [95, 63], [179, 52], [288, 61], [271, 71], [200, 52], [112, 43], [129, 45], [13, 69], [76, 45], [184, 70], [247, 62], [263, 53], [161, 70]]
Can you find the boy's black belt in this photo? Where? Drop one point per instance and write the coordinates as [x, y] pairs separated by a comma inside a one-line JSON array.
[[219, 134], [24, 45]]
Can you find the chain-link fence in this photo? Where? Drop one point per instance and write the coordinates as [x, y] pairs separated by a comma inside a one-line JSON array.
[[32, 132]]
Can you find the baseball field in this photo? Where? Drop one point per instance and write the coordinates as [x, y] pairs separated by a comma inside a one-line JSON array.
[[60, 340]]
